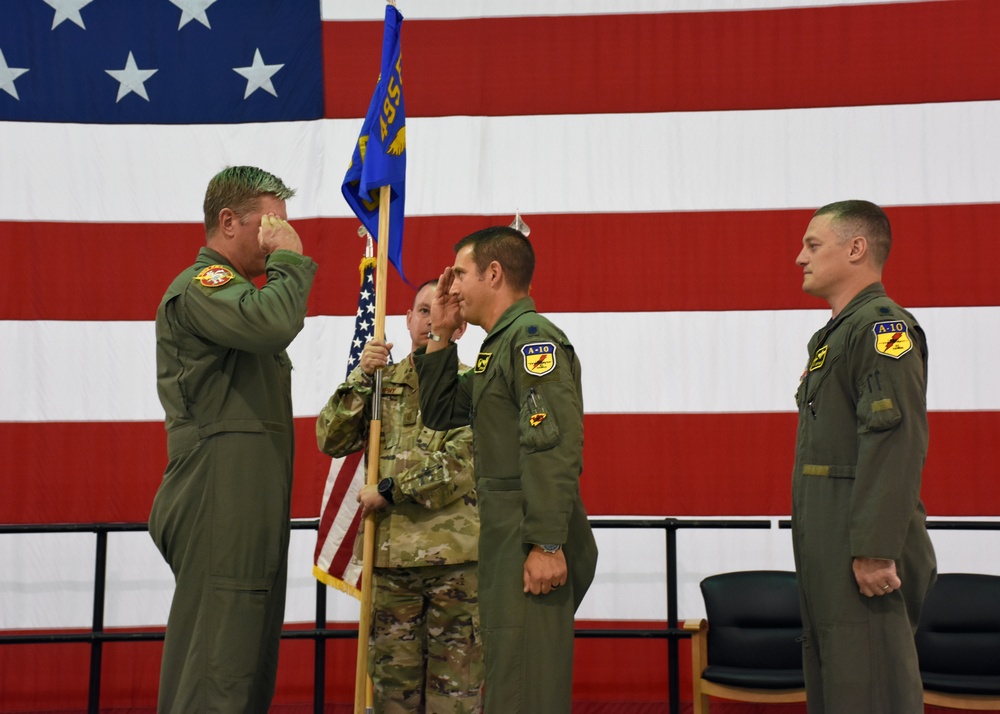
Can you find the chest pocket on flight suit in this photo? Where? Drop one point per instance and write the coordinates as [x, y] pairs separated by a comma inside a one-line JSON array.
[[538, 428]]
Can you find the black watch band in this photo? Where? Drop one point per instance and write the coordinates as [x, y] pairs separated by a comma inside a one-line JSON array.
[[385, 487]]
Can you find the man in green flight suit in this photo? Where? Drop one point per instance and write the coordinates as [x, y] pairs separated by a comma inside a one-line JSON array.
[[537, 553], [221, 515], [862, 553], [426, 653]]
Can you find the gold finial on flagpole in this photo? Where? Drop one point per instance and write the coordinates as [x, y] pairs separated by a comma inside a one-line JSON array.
[[519, 225]]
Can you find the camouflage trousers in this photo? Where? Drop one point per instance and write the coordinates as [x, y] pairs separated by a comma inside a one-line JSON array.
[[426, 654]]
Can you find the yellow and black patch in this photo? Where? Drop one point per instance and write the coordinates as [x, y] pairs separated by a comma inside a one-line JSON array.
[[214, 276], [539, 358], [818, 359], [482, 362], [892, 338], [536, 419]]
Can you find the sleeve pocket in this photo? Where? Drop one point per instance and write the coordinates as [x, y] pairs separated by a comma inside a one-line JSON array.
[[538, 428], [878, 408]]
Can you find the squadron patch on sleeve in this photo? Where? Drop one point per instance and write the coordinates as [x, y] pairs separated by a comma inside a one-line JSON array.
[[539, 358], [536, 419], [892, 338], [214, 276]]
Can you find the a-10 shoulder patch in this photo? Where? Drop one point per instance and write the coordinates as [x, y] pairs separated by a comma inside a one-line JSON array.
[[892, 338], [214, 276], [539, 357]]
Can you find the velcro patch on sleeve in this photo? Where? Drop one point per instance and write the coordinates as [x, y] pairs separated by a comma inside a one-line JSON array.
[[214, 276], [892, 338], [539, 357]]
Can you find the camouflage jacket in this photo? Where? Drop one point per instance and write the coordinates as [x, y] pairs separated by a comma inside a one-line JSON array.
[[434, 518]]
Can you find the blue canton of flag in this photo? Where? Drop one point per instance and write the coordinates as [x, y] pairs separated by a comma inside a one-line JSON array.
[[160, 61], [364, 322], [379, 157]]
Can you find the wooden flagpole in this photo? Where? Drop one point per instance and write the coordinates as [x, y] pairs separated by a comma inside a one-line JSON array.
[[363, 696]]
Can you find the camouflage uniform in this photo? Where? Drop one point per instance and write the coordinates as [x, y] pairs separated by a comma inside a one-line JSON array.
[[426, 651], [862, 440]]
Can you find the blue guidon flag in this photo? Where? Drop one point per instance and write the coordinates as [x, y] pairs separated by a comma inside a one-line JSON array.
[[379, 157], [162, 62]]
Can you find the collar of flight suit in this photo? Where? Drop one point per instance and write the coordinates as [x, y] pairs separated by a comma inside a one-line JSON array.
[[875, 290], [517, 308]]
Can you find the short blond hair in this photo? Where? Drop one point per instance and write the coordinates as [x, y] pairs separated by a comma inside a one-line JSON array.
[[239, 188]]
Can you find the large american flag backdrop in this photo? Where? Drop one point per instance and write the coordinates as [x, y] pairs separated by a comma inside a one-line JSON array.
[[666, 157]]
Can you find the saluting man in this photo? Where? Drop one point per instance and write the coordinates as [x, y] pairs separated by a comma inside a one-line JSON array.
[[221, 515], [862, 553], [537, 553]]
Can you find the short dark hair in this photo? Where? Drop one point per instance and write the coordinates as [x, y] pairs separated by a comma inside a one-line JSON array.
[[239, 188], [506, 246], [861, 218]]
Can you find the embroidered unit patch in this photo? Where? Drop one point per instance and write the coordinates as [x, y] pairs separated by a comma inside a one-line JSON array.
[[819, 358], [214, 276], [892, 338], [482, 361], [536, 419], [539, 358]]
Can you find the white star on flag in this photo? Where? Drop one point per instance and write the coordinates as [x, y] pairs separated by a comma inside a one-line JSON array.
[[67, 10], [193, 10], [8, 75], [131, 78], [258, 75]]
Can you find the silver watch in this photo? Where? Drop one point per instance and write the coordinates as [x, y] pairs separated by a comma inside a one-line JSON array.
[[549, 549]]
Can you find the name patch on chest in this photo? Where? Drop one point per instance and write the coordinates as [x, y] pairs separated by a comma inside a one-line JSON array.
[[482, 362], [819, 358], [539, 358], [214, 276], [892, 338]]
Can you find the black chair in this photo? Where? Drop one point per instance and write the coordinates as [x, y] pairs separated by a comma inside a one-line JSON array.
[[749, 649], [958, 642]]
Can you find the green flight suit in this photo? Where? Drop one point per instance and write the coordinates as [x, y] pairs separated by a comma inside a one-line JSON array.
[[862, 441], [221, 515], [525, 403]]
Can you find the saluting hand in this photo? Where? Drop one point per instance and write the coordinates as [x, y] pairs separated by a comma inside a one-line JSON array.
[[276, 233], [446, 309]]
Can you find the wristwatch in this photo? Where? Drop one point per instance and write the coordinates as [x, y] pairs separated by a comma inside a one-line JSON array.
[[385, 489], [436, 338], [549, 549]]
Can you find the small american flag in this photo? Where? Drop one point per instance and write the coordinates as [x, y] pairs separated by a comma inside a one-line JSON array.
[[340, 514]]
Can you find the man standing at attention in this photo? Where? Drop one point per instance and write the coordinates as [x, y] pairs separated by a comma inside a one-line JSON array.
[[221, 515], [862, 553], [523, 398], [426, 650]]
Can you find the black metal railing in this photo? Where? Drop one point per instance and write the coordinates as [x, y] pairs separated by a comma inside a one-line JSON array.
[[97, 635]]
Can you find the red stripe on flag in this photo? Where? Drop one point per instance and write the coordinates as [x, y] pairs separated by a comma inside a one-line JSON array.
[[713, 260], [683, 464], [345, 474], [898, 53]]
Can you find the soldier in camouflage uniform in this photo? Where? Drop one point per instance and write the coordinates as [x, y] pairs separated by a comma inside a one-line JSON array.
[[426, 651]]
